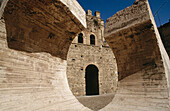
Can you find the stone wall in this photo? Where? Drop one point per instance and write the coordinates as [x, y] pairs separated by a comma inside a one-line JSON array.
[[32, 66], [80, 56], [164, 31], [36, 80], [143, 63], [95, 26], [145, 90], [33, 81], [2, 6], [41, 26]]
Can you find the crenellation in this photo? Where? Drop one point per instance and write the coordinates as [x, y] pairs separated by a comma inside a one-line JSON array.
[[89, 12], [97, 14]]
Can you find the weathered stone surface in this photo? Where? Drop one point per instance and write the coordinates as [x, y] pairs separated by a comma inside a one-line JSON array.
[[33, 50], [2, 6], [76, 9], [137, 46], [33, 81], [33, 72], [41, 26], [145, 90], [164, 31], [133, 44], [134, 14], [72, 5], [80, 55], [96, 102]]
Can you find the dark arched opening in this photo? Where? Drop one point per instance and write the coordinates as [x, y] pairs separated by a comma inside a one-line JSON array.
[[80, 38], [92, 39], [92, 81]]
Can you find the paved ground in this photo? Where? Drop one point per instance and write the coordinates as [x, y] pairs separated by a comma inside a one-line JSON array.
[[96, 102]]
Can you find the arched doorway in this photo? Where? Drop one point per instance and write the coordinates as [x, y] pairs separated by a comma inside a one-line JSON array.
[[92, 81]]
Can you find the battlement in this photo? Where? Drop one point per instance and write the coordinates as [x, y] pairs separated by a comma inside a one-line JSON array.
[[89, 12], [96, 14]]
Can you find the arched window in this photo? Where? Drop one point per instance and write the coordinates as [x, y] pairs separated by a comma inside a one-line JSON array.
[[80, 38], [92, 39]]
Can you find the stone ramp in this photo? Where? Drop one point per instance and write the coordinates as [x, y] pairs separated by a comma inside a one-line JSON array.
[[143, 91]]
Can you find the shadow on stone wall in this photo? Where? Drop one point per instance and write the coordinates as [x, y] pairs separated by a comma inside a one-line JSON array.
[[40, 26], [165, 36], [135, 48]]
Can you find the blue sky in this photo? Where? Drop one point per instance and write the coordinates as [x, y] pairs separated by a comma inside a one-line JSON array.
[[110, 7]]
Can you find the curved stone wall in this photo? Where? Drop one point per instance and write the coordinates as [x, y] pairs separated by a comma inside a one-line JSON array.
[[34, 49], [41, 26], [143, 63], [34, 41]]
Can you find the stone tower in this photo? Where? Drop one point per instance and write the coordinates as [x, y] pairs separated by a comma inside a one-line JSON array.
[[89, 55], [95, 27]]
